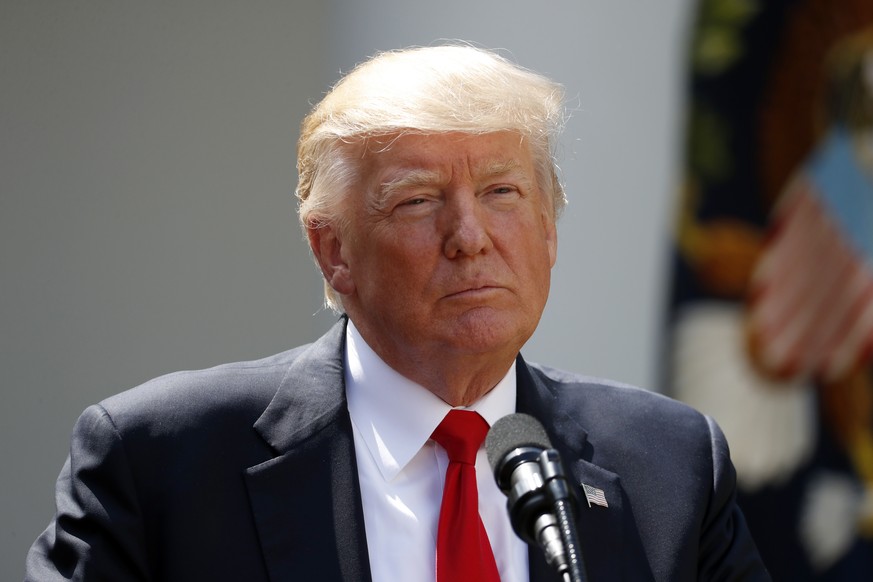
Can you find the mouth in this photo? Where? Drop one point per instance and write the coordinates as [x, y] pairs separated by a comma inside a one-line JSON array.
[[474, 292]]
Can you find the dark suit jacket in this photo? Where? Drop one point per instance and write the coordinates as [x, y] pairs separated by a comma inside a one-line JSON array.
[[247, 472]]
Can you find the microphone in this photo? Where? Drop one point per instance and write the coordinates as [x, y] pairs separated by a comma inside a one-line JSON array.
[[540, 503]]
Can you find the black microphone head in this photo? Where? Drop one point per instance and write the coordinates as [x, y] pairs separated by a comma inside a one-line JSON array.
[[512, 432]]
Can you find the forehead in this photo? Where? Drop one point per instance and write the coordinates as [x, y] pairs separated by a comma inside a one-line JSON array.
[[441, 153]]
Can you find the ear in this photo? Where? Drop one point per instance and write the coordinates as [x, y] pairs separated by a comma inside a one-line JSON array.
[[327, 247], [551, 232]]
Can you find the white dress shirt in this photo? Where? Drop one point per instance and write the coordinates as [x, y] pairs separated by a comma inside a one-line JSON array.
[[402, 471]]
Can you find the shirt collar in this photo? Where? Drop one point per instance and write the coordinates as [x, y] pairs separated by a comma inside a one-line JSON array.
[[394, 415]]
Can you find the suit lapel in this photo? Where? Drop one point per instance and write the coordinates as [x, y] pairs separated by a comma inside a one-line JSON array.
[[306, 501], [602, 530]]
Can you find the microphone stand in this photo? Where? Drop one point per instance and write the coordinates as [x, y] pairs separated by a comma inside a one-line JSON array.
[[562, 500]]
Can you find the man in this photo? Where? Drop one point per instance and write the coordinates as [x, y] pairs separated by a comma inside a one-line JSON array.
[[429, 197]]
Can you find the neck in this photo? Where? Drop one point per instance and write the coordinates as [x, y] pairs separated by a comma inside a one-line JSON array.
[[457, 377], [460, 385]]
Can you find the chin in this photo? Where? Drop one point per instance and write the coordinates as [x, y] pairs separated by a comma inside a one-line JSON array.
[[490, 332]]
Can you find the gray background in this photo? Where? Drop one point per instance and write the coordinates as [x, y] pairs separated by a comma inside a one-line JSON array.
[[146, 176]]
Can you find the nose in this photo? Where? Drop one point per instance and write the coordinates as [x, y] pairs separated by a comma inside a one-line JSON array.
[[466, 227]]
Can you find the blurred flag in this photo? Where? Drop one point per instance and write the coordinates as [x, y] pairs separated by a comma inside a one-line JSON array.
[[811, 296], [770, 319]]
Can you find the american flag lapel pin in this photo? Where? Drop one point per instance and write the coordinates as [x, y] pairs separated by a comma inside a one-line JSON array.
[[594, 496]]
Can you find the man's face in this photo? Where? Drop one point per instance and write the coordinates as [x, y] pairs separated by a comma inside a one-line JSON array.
[[449, 246]]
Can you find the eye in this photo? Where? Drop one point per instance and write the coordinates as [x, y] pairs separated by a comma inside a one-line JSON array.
[[503, 191], [414, 205]]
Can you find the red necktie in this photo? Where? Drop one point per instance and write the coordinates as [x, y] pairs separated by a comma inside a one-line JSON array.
[[463, 550]]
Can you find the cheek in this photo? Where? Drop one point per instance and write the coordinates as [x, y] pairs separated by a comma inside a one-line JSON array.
[[408, 246], [534, 252], [530, 233], [391, 267]]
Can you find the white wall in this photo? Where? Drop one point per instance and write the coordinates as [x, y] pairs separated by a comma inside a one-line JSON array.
[[622, 64], [146, 171]]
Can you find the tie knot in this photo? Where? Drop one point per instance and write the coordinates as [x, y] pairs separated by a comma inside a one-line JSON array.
[[461, 434]]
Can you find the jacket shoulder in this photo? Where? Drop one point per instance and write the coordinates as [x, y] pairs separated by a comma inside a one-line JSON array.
[[578, 391], [630, 424], [198, 397]]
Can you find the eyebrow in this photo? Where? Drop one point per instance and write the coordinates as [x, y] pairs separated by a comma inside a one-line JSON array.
[[409, 179], [498, 168]]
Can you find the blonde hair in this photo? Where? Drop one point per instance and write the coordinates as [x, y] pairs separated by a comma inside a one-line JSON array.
[[449, 88]]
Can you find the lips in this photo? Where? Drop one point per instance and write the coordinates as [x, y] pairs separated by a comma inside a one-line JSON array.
[[475, 290]]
